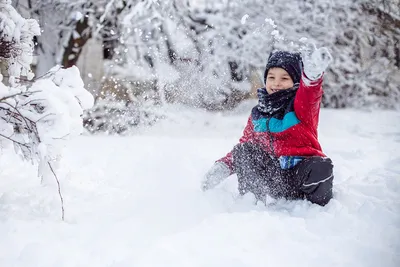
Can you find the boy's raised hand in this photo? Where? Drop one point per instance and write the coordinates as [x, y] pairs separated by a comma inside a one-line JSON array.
[[315, 60], [218, 172]]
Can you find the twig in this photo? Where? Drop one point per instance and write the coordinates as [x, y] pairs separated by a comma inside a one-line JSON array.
[[31, 101], [59, 191], [19, 143], [45, 75], [60, 138], [25, 119], [11, 114], [45, 116], [9, 96]]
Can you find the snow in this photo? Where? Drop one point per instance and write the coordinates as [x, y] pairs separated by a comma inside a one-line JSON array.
[[276, 35], [244, 19], [14, 28], [77, 16], [136, 201], [166, 72]]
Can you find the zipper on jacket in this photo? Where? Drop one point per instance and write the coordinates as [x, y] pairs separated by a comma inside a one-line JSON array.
[[271, 139]]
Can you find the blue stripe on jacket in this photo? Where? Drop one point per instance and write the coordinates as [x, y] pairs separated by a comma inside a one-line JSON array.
[[275, 125]]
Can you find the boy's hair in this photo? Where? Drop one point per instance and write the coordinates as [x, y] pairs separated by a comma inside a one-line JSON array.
[[291, 62]]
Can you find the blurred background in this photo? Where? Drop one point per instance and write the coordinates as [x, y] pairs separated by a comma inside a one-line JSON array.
[[135, 55]]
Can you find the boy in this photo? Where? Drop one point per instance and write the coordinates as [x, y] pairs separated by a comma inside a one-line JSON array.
[[279, 154]]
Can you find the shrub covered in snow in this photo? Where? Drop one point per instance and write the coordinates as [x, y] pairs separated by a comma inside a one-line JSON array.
[[36, 117]]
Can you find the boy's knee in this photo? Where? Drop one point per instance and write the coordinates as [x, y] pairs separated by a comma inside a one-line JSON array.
[[321, 193], [318, 183]]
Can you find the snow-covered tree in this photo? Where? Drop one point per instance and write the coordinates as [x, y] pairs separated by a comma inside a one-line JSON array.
[[364, 71], [189, 54], [36, 116], [64, 27], [68, 25]]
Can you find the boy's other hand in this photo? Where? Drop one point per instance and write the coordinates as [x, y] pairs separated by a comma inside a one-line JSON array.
[[218, 172], [315, 60]]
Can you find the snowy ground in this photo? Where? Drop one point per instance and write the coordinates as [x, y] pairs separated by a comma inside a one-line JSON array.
[[136, 201]]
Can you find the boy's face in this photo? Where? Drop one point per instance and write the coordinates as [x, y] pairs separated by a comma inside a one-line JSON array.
[[278, 79]]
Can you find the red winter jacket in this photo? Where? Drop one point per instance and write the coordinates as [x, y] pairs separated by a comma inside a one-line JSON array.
[[293, 135]]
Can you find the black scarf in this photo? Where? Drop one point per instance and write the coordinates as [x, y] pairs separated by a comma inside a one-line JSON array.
[[273, 103]]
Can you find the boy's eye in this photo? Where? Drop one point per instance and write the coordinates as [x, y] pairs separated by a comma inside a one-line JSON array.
[[271, 78]]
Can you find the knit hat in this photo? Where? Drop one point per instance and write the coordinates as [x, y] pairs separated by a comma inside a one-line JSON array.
[[291, 62]]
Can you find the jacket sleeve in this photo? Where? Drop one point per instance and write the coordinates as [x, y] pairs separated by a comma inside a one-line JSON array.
[[247, 135], [308, 100]]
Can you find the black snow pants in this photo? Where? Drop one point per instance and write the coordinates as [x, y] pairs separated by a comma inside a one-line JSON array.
[[260, 173]]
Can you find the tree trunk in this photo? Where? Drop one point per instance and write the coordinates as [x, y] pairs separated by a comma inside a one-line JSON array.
[[78, 38]]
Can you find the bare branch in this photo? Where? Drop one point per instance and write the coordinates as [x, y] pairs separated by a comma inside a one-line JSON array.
[[61, 138], [24, 118], [59, 191], [10, 96], [44, 117], [19, 143], [31, 101], [17, 94]]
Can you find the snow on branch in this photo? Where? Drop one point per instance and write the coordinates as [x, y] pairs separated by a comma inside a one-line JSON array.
[[16, 40]]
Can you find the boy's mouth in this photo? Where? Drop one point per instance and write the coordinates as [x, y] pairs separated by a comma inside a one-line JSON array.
[[275, 90]]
